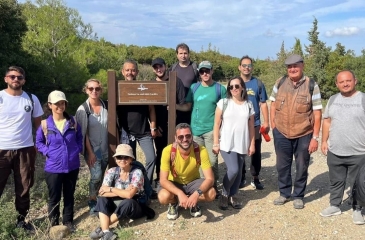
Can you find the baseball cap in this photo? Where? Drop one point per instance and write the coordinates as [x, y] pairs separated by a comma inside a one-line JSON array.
[[292, 59], [124, 150], [205, 64], [158, 61], [56, 96]]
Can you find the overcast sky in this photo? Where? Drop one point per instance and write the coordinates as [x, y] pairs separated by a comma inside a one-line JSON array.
[[236, 28]]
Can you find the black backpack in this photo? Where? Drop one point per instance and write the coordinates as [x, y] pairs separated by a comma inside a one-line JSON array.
[[358, 190]]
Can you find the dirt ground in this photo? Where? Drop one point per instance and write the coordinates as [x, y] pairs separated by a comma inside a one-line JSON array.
[[259, 218]]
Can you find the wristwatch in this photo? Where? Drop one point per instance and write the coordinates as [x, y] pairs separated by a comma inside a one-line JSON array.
[[154, 129], [200, 192], [316, 138]]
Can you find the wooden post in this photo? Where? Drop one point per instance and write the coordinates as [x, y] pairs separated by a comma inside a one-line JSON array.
[[112, 117], [172, 108]]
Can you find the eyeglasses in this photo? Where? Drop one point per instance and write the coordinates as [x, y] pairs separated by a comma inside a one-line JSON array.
[[124, 158], [12, 77], [202, 71], [246, 65], [236, 86], [97, 89], [181, 137]]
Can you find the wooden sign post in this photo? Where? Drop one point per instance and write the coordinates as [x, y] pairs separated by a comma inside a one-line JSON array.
[[139, 93]]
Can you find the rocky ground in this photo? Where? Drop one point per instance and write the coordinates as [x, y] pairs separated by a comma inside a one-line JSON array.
[[259, 218]]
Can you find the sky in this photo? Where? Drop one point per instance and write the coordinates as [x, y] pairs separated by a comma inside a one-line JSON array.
[[256, 28]]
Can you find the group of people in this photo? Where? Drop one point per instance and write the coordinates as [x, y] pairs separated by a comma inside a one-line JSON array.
[[211, 119]]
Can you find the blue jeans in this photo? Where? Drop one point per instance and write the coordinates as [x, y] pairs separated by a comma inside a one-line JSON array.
[[206, 140], [97, 173], [285, 149], [146, 143], [232, 179]]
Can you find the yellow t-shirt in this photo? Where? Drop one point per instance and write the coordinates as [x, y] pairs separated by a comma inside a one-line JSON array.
[[187, 170], [60, 125]]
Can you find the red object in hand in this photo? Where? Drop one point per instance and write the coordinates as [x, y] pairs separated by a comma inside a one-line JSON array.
[[264, 134]]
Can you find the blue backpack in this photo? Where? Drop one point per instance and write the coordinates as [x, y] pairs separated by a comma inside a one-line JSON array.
[[145, 197]]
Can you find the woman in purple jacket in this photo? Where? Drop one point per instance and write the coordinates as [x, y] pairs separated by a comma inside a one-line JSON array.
[[59, 138]]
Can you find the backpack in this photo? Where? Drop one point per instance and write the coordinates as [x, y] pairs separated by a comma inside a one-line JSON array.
[[45, 128], [195, 69], [145, 197], [173, 156], [311, 84], [87, 108], [217, 89], [358, 190], [31, 100]]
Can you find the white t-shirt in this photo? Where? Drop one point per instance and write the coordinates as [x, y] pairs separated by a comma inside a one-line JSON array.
[[15, 120], [234, 131]]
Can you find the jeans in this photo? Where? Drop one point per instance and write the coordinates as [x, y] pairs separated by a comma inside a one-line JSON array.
[[206, 140], [22, 163], [97, 173], [57, 184], [232, 179], [285, 148], [146, 143]]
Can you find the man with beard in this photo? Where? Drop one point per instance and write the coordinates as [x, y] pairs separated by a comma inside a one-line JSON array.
[[256, 93], [159, 68], [17, 151], [139, 121], [180, 180]]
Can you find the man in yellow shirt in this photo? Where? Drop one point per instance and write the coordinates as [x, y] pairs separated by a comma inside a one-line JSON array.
[[180, 180]]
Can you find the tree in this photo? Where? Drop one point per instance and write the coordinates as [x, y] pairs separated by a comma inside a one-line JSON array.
[[297, 49], [340, 49]]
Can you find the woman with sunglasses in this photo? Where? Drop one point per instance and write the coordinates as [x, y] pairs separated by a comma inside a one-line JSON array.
[[234, 138], [116, 195], [92, 116], [59, 138]]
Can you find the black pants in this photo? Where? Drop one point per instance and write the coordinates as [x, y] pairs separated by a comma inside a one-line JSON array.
[[128, 208], [160, 144], [61, 183], [255, 166]]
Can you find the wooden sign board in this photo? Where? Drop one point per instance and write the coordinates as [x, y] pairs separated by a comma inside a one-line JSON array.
[[142, 93]]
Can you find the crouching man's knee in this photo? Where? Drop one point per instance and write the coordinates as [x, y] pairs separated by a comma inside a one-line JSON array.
[[166, 197], [209, 195]]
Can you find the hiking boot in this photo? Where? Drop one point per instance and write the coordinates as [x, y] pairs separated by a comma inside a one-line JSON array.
[[330, 211], [223, 202], [92, 204], [281, 200], [298, 203], [235, 202], [96, 234], [195, 211], [70, 226], [357, 217], [26, 226], [108, 236], [173, 211], [255, 183]]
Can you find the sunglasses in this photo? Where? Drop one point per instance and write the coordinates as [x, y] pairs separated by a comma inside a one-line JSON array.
[[246, 65], [236, 86], [181, 137], [120, 158], [97, 89], [202, 71], [12, 77]]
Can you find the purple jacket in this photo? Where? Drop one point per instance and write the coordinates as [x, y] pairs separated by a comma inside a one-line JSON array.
[[61, 150]]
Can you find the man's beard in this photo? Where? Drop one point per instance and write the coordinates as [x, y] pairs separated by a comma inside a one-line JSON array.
[[185, 148]]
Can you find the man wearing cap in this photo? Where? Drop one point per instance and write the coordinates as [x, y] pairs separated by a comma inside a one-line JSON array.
[[187, 71], [295, 114], [204, 96], [160, 70], [17, 151], [139, 121]]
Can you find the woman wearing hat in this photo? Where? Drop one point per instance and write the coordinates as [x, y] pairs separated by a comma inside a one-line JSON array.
[[120, 183], [59, 138]]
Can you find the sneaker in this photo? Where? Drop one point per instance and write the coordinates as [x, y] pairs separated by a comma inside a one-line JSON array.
[[195, 211], [92, 204], [26, 226], [330, 211], [223, 202], [255, 183], [173, 211], [298, 203], [235, 202], [108, 236], [97, 233], [281, 200], [357, 217], [70, 226]]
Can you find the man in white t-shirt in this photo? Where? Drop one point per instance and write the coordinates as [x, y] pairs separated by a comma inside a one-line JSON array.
[[17, 151]]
